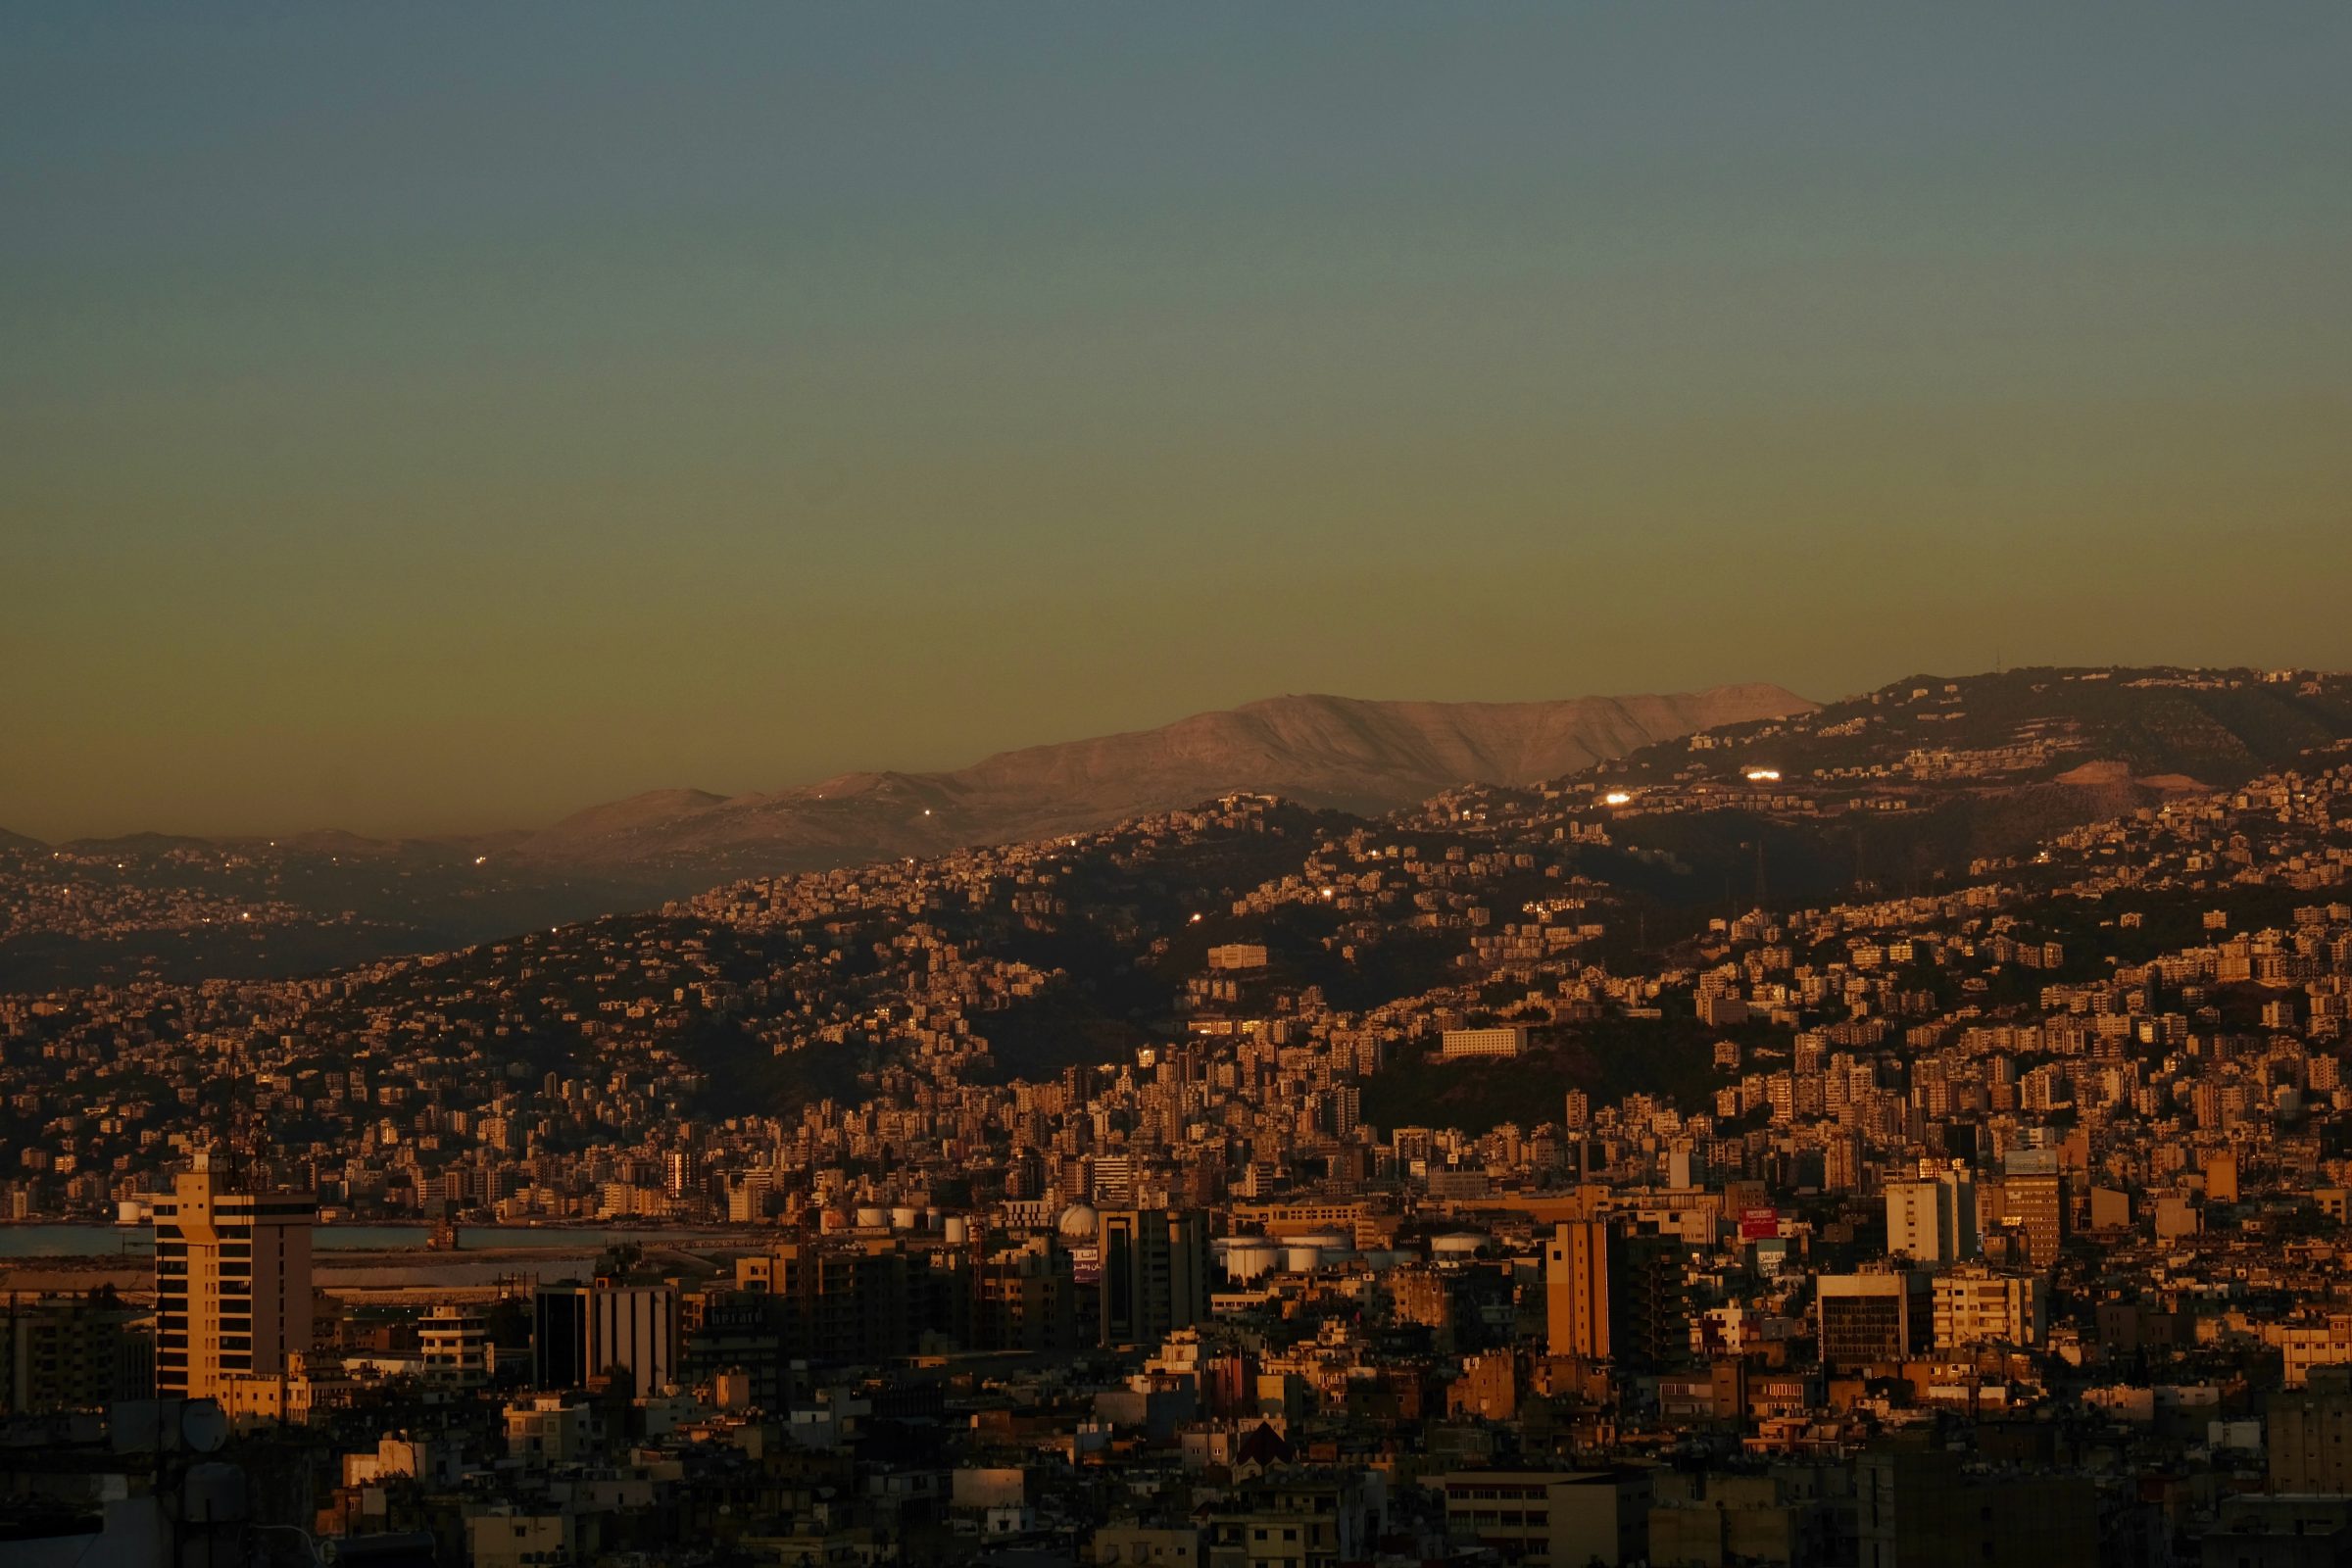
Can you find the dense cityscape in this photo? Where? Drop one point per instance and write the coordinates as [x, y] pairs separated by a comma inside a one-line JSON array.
[[1521, 1177], [1214, 785]]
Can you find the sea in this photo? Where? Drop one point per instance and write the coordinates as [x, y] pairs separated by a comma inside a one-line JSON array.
[[110, 1241]]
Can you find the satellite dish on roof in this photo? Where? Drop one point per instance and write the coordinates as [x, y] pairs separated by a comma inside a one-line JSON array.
[[203, 1426]]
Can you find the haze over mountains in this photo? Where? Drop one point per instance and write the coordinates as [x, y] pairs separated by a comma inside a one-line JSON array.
[[147, 903], [1355, 754], [1955, 769]]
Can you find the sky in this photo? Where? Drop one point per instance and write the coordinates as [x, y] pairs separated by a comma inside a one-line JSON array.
[[420, 419]]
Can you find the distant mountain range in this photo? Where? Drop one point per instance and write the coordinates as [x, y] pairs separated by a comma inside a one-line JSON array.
[[2160, 728], [1951, 769], [1347, 753]]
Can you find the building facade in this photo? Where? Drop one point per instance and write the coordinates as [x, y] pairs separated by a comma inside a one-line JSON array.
[[232, 1283], [603, 1334], [1934, 1220], [1154, 1273]]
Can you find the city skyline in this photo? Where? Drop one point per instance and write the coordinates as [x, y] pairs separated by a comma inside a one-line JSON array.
[[1327, 786]]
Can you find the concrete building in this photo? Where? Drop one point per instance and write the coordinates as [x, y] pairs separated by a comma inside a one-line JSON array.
[[1136, 1546], [2031, 1201], [456, 1349], [860, 1301], [1709, 1521], [2291, 1531], [603, 1333], [1976, 1305], [1871, 1319], [2322, 1340], [2309, 1443], [232, 1282], [1026, 1299], [1576, 1290], [508, 1539], [1509, 1039], [1156, 1266], [71, 1352], [1550, 1518], [1610, 1294], [1932, 1220], [1299, 1518], [556, 1428], [1920, 1509]]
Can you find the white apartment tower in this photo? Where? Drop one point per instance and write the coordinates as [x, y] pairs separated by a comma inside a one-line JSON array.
[[1934, 1220]]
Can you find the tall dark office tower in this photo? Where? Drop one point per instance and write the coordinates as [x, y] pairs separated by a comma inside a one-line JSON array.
[[1154, 1273]]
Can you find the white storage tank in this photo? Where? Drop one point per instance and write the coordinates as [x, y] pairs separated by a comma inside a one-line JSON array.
[[958, 1230], [1456, 1244], [1252, 1259], [904, 1217], [871, 1217]]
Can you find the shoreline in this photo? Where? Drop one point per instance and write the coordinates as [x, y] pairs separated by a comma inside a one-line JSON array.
[[401, 1268]]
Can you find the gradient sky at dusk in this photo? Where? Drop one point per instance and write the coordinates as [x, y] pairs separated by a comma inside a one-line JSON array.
[[424, 418]]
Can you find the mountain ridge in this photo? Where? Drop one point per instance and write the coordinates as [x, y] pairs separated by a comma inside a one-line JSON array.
[[1352, 753]]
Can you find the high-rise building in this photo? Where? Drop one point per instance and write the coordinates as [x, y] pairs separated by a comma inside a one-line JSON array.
[[1648, 1301], [604, 1334], [1873, 1319], [71, 1352], [864, 1301], [1025, 1299], [1576, 1289], [1933, 1220], [1610, 1294], [1154, 1273], [232, 1282], [2309, 1440], [2031, 1204], [1114, 1181], [1976, 1305], [1614, 1296]]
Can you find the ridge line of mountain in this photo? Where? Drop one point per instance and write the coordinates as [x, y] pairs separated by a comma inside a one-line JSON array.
[[1404, 726], [1356, 754]]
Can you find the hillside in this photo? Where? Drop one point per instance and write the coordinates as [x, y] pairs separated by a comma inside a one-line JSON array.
[[1340, 753], [1595, 910], [2163, 729], [1903, 786]]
